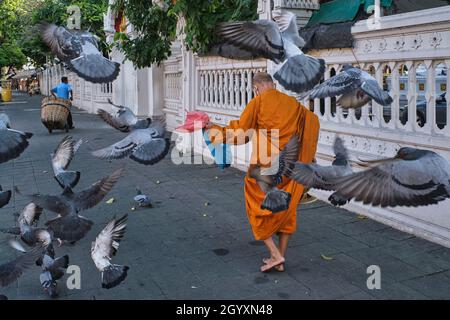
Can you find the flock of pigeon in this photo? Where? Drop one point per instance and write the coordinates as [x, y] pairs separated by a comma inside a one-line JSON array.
[[413, 177], [145, 144]]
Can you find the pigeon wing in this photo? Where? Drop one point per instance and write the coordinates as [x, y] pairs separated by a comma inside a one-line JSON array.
[[151, 152], [93, 195], [343, 82], [112, 121], [119, 150], [52, 203], [31, 213], [12, 143], [63, 155], [371, 87], [392, 183], [13, 270], [58, 39], [287, 23], [260, 37]]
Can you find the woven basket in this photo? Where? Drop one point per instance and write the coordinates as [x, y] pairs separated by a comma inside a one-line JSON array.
[[54, 113]]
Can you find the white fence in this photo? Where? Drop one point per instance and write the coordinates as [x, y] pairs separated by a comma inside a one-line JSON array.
[[86, 95]]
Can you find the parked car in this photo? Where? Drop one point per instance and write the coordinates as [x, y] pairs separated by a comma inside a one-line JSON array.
[[441, 112]]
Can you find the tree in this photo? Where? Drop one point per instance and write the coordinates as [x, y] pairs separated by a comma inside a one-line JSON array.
[[55, 11], [11, 56], [155, 29]]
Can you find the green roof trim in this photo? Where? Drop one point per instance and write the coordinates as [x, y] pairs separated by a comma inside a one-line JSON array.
[[341, 11]]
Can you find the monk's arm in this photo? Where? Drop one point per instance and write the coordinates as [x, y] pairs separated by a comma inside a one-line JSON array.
[[238, 131]]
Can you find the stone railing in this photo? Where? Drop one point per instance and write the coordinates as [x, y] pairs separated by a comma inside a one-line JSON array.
[[409, 55]]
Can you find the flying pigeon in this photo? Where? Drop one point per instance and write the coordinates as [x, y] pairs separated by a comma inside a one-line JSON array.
[[105, 247], [27, 230], [12, 142], [5, 196], [312, 175], [52, 270], [276, 200], [412, 178], [61, 159], [356, 87], [13, 270], [124, 120], [79, 50], [69, 225], [143, 200], [280, 42], [145, 146]]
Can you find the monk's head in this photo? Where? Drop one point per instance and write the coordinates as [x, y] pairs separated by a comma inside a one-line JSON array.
[[262, 82]]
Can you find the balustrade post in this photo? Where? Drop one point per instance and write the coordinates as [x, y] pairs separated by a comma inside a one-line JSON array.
[[430, 96]]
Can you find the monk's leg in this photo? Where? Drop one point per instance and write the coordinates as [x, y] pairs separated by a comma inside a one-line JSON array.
[[283, 243], [275, 256]]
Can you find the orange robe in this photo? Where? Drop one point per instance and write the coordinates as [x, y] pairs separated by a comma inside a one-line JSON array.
[[272, 110]]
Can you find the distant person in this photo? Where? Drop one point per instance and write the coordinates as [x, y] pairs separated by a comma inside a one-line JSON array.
[[64, 91]]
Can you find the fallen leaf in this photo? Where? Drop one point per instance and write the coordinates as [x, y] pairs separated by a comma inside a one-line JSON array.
[[133, 208], [110, 201], [361, 217], [158, 182], [193, 287], [206, 203], [324, 257], [205, 215], [216, 177]]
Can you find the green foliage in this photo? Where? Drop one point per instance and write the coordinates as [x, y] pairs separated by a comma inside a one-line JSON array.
[[155, 29], [55, 11], [11, 56], [202, 18]]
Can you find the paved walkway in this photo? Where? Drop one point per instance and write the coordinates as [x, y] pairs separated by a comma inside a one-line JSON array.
[[184, 249]]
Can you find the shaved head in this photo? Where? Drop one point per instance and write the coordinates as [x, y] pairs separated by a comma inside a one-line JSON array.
[[262, 77]]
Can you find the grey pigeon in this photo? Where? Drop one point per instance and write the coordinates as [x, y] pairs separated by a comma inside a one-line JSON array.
[[52, 270], [280, 42], [143, 200], [5, 196], [412, 178], [124, 120], [27, 230], [79, 50], [146, 146], [105, 247], [5, 119], [355, 86], [313, 175], [13, 270], [69, 225], [61, 159], [276, 200], [12, 142]]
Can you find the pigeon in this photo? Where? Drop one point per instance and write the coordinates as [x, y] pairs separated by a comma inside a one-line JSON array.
[[280, 42], [356, 87], [69, 225], [12, 142], [312, 175], [13, 270], [143, 200], [5, 196], [61, 159], [276, 200], [145, 146], [52, 270], [79, 50], [3, 297], [27, 230], [412, 178], [5, 119], [105, 247], [124, 120]]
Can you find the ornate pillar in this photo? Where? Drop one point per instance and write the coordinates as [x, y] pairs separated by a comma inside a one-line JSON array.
[[302, 8]]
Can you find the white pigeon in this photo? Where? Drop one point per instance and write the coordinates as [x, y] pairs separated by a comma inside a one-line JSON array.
[[356, 88], [79, 50], [105, 247], [280, 42], [145, 146]]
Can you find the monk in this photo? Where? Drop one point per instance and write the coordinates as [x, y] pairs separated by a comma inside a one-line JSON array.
[[279, 117]]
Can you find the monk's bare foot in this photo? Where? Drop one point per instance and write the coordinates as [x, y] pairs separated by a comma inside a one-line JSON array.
[[272, 263], [279, 268]]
